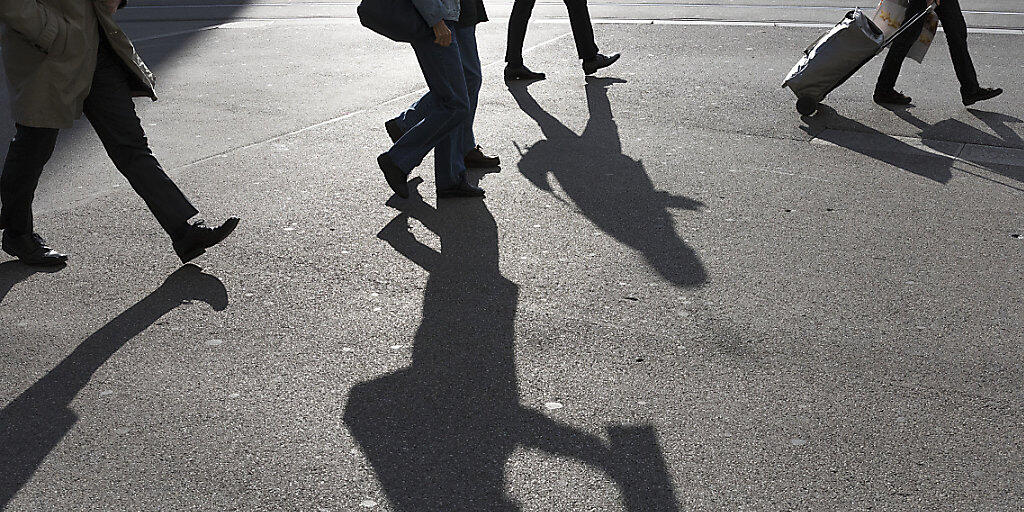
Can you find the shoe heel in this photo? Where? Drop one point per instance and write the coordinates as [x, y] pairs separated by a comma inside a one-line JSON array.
[[192, 255]]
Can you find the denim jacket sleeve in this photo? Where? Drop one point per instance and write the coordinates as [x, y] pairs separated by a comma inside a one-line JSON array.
[[431, 10]]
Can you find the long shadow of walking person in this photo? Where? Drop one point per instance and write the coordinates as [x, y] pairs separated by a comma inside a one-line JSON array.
[[439, 432], [36, 421], [611, 189], [934, 159]]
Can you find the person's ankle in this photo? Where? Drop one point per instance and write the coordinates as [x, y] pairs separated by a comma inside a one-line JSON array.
[[180, 230], [11, 233]]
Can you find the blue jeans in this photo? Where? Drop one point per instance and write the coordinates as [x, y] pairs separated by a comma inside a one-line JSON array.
[[440, 116]]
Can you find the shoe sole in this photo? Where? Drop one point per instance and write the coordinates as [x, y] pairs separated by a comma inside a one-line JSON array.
[[514, 78], [452, 195], [896, 103], [57, 263], [972, 102], [477, 166], [231, 224]]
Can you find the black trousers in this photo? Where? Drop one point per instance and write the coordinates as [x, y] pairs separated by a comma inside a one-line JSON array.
[[953, 24], [579, 20], [111, 111]]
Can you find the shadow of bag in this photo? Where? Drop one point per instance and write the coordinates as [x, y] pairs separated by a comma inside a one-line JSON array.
[[397, 20]]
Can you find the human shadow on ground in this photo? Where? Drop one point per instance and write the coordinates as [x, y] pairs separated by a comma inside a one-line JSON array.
[[934, 159], [611, 189], [36, 421], [13, 272], [439, 432], [998, 122]]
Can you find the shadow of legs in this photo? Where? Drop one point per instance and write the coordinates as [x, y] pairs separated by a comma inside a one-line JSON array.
[[14, 272], [36, 421], [609, 188]]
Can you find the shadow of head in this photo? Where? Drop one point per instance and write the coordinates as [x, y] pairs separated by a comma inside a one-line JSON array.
[[190, 283]]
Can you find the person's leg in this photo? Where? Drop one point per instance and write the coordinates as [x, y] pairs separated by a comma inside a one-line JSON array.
[[415, 113], [955, 27], [29, 151], [111, 111], [899, 49], [517, 22], [449, 167], [442, 70], [582, 29], [474, 80]]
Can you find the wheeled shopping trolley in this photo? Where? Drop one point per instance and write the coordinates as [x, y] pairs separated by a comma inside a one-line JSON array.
[[835, 56]]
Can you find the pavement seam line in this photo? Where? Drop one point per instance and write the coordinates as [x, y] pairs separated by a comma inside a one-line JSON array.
[[174, 170], [596, 21], [657, 5], [938, 154], [173, 34], [343, 117]]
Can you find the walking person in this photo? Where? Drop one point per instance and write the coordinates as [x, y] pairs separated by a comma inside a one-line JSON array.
[[441, 114], [582, 32], [471, 14], [63, 58], [955, 27]]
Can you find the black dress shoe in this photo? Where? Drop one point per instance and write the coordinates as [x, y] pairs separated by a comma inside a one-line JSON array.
[[394, 176], [521, 72], [393, 130], [980, 94], [591, 65], [32, 250], [463, 189], [891, 97], [476, 159], [198, 237]]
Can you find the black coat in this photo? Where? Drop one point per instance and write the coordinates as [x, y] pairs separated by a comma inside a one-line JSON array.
[[472, 12]]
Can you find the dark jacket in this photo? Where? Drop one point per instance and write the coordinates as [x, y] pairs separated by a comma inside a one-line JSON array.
[[472, 13]]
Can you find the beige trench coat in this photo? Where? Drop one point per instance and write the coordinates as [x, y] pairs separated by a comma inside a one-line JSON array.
[[49, 52]]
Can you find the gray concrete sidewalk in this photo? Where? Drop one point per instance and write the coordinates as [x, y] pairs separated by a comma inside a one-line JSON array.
[[677, 295]]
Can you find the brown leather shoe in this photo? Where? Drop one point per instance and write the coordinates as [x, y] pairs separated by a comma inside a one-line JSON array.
[[476, 159]]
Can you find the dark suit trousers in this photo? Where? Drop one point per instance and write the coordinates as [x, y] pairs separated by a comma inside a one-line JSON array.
[[953, 24], [111, 111], [579, 20]]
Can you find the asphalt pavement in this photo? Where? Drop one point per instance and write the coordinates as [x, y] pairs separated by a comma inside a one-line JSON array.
[[679, 294]]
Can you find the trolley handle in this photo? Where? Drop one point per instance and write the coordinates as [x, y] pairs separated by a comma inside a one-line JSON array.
[[906, 26]]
